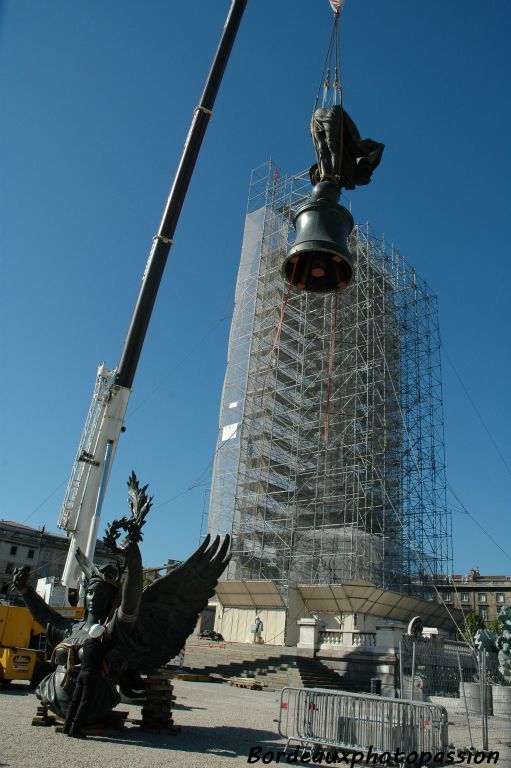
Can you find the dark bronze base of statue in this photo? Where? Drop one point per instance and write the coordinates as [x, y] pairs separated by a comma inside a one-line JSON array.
[[111, 725]]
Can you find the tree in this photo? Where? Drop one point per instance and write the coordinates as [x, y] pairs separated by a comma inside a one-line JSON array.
[[473, 622], [494, 625]]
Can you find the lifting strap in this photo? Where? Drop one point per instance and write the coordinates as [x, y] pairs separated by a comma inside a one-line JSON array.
[[332, 61]]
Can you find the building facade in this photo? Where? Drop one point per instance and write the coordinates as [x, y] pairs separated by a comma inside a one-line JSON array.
[[43, 552], [330, 456], [473, 593]]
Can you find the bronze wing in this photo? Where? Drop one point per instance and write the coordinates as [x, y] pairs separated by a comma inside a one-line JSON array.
[[170, 607]]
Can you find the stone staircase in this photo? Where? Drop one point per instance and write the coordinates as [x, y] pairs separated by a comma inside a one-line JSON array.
[[316, 674], [273, 666]]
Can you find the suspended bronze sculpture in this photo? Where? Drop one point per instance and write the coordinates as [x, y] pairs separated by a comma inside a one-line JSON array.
[[320, 260]]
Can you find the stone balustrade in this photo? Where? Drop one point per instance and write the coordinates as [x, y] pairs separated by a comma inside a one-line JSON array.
[[337, 638], [330, 638], [364, 638]]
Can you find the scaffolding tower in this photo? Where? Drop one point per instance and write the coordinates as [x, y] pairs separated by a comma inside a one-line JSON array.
[[330, 456]]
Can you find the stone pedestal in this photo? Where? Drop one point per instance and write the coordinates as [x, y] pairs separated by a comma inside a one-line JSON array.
[[418, 693], [389, 635], [309, 635], [470, 696], [501, 696]]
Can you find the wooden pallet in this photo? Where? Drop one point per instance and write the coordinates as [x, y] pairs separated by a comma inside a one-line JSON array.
[[193, 678], [209, 645], [157, 707], [246, 682], [154, 727], [43, 718]]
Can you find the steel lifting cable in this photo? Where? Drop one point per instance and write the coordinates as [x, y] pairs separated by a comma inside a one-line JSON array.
[[337, 94], [324, 82], [332, 60]]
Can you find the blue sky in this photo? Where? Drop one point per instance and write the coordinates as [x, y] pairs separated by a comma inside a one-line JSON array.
[[96, 103]]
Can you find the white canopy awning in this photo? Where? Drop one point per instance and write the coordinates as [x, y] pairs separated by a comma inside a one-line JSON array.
[[249, 594], [364, 597], [355, 596]]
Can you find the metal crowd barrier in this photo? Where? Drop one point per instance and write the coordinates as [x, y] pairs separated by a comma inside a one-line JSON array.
[[357, 720]]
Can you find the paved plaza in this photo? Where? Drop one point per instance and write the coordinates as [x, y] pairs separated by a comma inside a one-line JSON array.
[[468, 729], [219, 725]]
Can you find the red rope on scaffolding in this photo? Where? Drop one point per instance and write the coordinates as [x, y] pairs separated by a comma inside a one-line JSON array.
[[279, 328], [330, 368], [282, 312]]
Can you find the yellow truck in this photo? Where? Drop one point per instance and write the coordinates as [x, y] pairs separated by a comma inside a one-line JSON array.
[[19, 631]]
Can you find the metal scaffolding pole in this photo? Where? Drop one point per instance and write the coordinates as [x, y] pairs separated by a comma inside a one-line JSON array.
[[367, 499]]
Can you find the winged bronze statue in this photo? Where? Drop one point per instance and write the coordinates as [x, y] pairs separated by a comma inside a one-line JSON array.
[[145, 627]]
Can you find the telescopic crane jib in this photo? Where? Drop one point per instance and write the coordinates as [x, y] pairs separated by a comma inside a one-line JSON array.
[[81, 509]]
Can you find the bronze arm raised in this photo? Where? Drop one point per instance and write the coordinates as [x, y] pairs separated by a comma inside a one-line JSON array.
[[132, 586], [39, 609]]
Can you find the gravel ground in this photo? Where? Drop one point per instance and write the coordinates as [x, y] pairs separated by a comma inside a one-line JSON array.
[[219, 725]]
